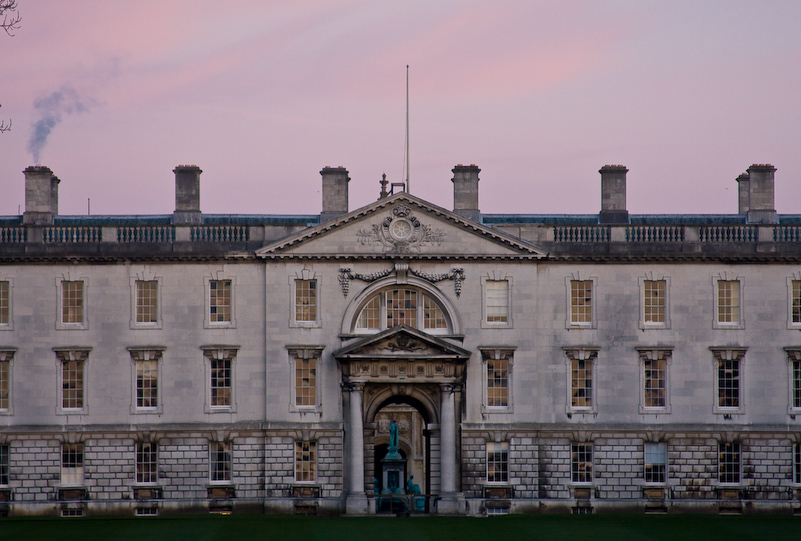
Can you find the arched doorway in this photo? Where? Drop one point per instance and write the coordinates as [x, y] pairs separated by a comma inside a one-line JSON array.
[[394, 372]]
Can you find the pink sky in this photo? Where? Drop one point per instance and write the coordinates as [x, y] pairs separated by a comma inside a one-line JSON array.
[[540, 95]]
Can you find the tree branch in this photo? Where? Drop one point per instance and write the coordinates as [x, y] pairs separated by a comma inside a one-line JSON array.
[[9, 16]]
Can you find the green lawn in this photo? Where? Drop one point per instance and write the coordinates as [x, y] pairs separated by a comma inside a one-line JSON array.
[[517, 528]]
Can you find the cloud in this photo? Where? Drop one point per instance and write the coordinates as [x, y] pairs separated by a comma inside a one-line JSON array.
[[51, 109]]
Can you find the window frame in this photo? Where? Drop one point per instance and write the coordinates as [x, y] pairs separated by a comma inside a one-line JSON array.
[[76, 478], [212, 354], [662, 448], [303, 353], [721, 471], [5, 464], [312, 453], [9, 324], [725, 355], [490, 354], [716, 284], [646, 354], [577, 450], [570, 321], [142, 277], [796, 459], [305, 275], [647, 325], [7, 378], [140, 355], [794, 380], [69, 326], [792, 281], [502, 461], [207, 320], [491, 278], [65, 355], [381, 295], [150, 467], [224, 467], [586, 354]]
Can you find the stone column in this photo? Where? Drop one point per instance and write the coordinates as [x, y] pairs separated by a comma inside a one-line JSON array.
[[357, 500], [451, 502]]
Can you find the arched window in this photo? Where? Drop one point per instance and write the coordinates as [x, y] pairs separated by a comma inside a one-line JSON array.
[[406, 305]]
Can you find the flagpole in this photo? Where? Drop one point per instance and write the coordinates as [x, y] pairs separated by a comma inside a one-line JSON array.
[[408, 189]]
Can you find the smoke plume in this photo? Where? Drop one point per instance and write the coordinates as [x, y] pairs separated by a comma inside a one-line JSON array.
[[64, 101]]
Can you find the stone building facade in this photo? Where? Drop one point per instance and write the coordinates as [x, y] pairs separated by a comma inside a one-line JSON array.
[[530, 363]]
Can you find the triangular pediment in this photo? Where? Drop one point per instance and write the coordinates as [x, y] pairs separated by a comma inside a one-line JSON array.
[[401, 342], [401, 226]]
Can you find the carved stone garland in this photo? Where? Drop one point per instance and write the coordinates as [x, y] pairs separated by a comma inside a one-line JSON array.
[[457, 275]]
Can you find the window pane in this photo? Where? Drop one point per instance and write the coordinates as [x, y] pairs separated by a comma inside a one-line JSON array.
[[369, 317], [581, 301], [654, 301], [305, 460], [497, 382], [220, 382], [220, 460], [498, 462], [497, 292], [5, 384], [72, 463], [796, 384], [306, 382], [72, 384], [655, 383], [146, 462], [728, 384], [655, 462], [220, 301], [729, 462], [581, 383], [728, 301], [147, 384], [305, 300], [581, 462], [432, 314], [401, 307], [72, 302], [146, 301], [5, 303], [796, 301]]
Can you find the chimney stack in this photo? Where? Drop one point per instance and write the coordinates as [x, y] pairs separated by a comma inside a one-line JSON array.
[[187, 195], [335, 193], [760, 195], [613, 195], [465, 191], [41, 196], [742, 193]]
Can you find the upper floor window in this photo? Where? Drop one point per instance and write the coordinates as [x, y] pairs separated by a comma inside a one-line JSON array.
[[219, 301], [497, 388], [72, 380], [402, 306], [794, 360], [728, 302], [580, 372], [305, 295], [496, 302], [5, 304], [729, 379], [72, 303], [220, 363], [146, 367], [794, 301], [581, 302], [6, 357], [147, 306], [654, 397], [654, 302]]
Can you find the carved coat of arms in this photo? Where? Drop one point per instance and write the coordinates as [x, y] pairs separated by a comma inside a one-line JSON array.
[[400, 232]]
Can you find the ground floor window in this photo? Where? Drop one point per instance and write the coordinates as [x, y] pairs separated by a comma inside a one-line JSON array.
[[72, 464], [729, 462], [497, 462], [305, 461], [581, 462], [655, 462], [220, 461]]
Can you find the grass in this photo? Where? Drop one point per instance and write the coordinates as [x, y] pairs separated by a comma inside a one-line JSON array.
[[516, 527]]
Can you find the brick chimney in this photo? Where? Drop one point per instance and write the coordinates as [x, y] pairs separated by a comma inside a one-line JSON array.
[[465, 191], [742, 193], [613, 195], [187, 195], [335, 192], [760, 195], [41, 195]]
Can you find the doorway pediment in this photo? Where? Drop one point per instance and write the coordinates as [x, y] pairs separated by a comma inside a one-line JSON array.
[[402, 354]]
